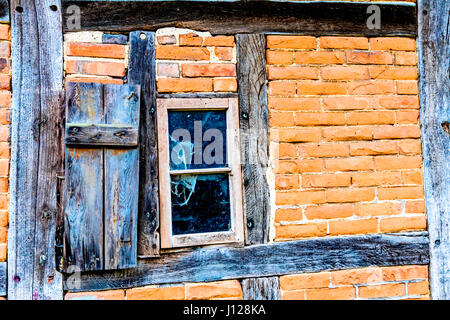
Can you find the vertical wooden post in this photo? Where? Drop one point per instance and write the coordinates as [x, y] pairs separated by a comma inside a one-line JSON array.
[[267, 288], [434, 84], [36, 154]]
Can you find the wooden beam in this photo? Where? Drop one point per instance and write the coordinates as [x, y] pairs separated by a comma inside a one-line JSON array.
[[221, 263], [220, 17], [2, 279], [254, 130], [266, 288], [434, 84], [101, 135], [36, 154]]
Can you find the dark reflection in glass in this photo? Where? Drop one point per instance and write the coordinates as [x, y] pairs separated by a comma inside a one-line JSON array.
[[197, 139], [200, 203]]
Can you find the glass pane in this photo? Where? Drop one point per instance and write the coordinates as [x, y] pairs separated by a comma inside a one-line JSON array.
[[197, 139], [200, 203]]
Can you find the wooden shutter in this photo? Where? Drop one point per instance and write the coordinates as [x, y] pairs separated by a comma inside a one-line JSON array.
[[102, 176]]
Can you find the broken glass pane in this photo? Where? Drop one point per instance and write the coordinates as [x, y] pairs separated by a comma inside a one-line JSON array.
[[200, 203], [197, 139]]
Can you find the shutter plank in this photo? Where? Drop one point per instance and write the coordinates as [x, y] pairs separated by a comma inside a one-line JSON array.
[[121, 181], [84, 179]]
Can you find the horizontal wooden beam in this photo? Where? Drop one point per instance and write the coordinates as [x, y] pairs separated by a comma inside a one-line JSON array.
[[314, 18], [101, 135], [2, 279], [304, 256]]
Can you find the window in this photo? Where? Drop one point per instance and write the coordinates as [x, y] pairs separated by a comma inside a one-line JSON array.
[[200, 176]]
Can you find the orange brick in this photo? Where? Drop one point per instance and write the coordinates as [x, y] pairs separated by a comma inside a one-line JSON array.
[[225, 85], [4, 133], [281, 119], [85, 49], [319, 57], [5, 99], [291, 42], [319, 119], [410, 146], [94, 80], [287, 166], [213, 290], [344, 43], [321, 88], [284, 182], [350, 195], [224, 53], [190, 39], [323, 150], [96, 295], [296, 166], [339, 227], [399, 102], [404, 273], [208, 70], [287, 150], [398, 132], [305, 281], [415, 206], [412, 177], [182, 53], [369, 179], [382, 290], [292, 72], [370, 117], [407, 87], [167, 39], [403, 224], [282, 87], [184, 85], [4, 32], [4, 167], [4, 150], [5, 82], [332, 211], [381, 87], [3, 251], [393, 43], [398, 162], [280, 57], [356, 276], [347, 133], [4, 116], [156, 293], [394, 193], [300, 135], [349, 164], [394, 73], [377, 209], [349, 102], [5, 49], [293, 295], [100, 68], [340, 293], [5, 65], [4, 185], [4, 216], [418, 288], [345, 73], [3, 235], [406, 58], [295, 231], [325, 180], [369, 57], [373, 148], [219, 41], [295, 104], [407, 116], [300, 197], [288, 215]]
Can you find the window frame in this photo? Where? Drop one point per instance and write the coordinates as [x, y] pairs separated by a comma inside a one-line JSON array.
[[236, 234]]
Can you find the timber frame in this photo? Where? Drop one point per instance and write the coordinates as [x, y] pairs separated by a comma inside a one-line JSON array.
[[37, 152]]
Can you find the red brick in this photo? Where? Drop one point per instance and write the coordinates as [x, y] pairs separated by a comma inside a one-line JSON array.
[[98, 79], [404, 273], [281, 119], [213, 290], [190, 39], [410, 146], [181, 53], [282, 87], [288, 215], [332, 211], [5, 82], [156, 293], [291, 42], [418, 288], [224, 53], [208, 70], [407, 116], [397, 132], [344, 43], [349, 102], [382, 290], [356, 276], [349, 164], [373, 148], [323, 150], [394, 73], [184, 85], [415, 206], [305, 281], [5, 99], [287, 150], [101, 68], [380, 87], [393, 43], [167, 39], [394, 193], [377, 209], [319, 57], [4, 218], [350, 195], [325, 180], [295, 231], [340, 293], [406, 58], [286, 182], [319, 119], [225, 85], [345, 73], [369, 57], [295, 104], [280, 57], [300, 197], [3, 251], [369, 179], [370, 117], [397, 162], [219, 41], [407, 87], [4, 32], [321, 88], [403, 224], [100, 50], [347, 133], [292, 72], [300, 135], [412, 177], [399, 102]]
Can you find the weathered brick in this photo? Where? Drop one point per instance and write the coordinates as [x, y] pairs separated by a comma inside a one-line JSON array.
[[369, 57], [349, 102], [399, 102], [4, 32], [323, 150], [213, 290], [293, 295], [349, 164], [397, 132], [394, 193], [406, 58], [332, 211], [5, 82], [284, 182], [344, 43], [373, 148], [410, 146], [190, 39], [300, 197], [382, 290], [356, 276], [4, 216], [305, 281], [291, 42], [393, 43], [5, 49], [340, 293], [219, 41], [101, 68], [407, 116], [282, 87], [5, 99], [182, 53], [287, 150], [319, 118], [326, 180], [370, 117], [321, 88], [96, 295], [224, 53], [371, 87], [184, 85], [412, 177], [281, 119], [288, 215], [401, 273], [397, 162], [407, 87], [292, 72], [225, 85], [371, 179], [167, 39], [280, 57], [403, 224], [319, 57], [377, 209], [394, 73], [350, 195], [3, 251], [167, 69], [156, 293], [208, 70], [345, 73], [300, 135], [100, 50], [297, 166], [415, 206], [294, 104], [418, 288], [295, 231]]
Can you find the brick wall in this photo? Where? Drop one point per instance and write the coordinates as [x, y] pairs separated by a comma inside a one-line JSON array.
[[345, 112], [5, 100]]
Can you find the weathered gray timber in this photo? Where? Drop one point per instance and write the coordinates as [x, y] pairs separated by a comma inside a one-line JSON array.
[[141, 71], [266, 288], [434, 84], [254, 129], [225, 17], [212, 264], [36, 155], [101, 135], [3, 279]]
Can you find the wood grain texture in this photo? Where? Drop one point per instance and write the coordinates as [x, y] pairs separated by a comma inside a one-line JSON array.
[[121, 181], [141, 71], [266, 288], [84, 184], [246, 17], [434, 84], [305, 256], [3, 279], [36, 154], [101, 135], [254, 129]]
